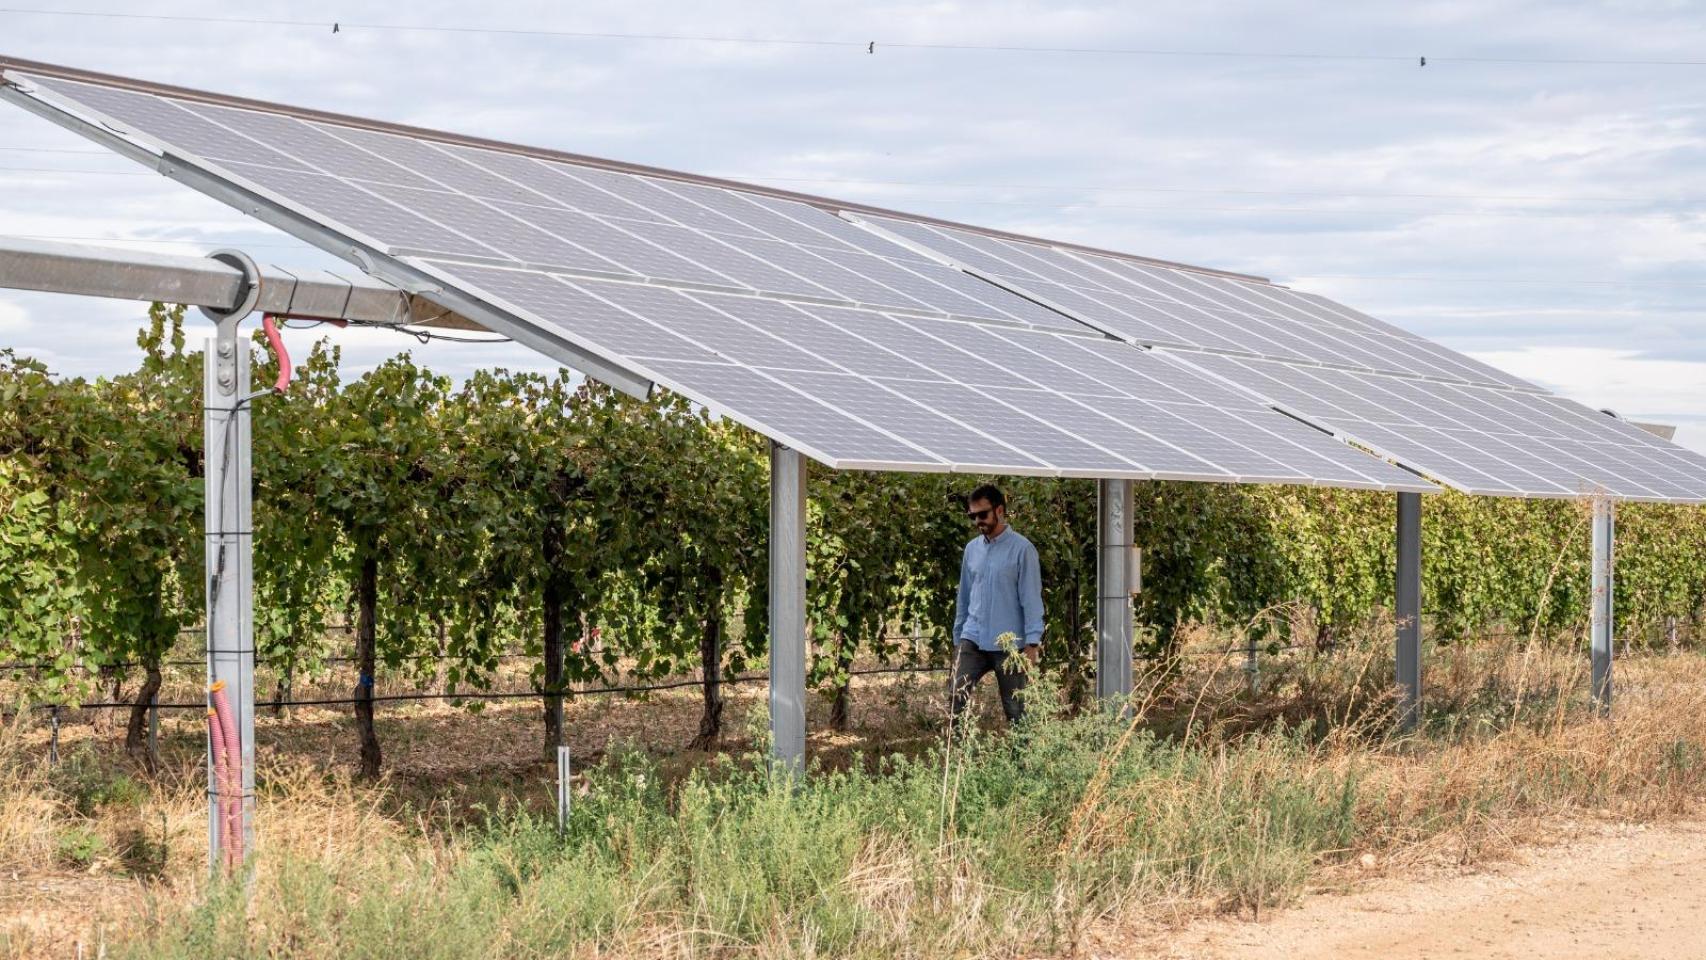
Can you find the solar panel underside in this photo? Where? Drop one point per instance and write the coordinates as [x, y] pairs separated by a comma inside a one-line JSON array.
[[1442, 414], [808, 328]]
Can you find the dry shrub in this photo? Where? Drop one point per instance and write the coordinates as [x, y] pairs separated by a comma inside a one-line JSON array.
[[27, 806]]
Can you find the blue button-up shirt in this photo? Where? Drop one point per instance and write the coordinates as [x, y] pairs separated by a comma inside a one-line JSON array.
[[1001, 591]]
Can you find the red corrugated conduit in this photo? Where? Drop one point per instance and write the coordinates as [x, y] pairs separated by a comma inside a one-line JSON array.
[[223, 731], [276, 341]]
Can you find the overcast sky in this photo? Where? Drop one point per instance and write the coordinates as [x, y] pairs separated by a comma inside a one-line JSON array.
[[1544, 216]]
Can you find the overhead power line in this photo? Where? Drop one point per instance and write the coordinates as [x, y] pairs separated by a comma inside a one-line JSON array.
[[862, 45]]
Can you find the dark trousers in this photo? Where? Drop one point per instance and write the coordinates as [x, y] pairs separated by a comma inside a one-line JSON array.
[[971, 663]]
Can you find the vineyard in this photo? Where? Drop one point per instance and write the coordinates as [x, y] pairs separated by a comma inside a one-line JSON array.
[[455, 527]]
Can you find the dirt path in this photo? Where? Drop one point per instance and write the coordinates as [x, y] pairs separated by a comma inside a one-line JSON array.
[[1624, 892]]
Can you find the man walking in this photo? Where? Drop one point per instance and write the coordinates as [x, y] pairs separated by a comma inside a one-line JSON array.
[[1001, 592]]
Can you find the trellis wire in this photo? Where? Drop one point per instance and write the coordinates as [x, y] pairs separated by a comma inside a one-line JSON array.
[[482, 695], [22, 665]]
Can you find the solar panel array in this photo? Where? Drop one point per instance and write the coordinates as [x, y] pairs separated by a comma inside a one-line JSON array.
[[1443, 414], [811, 329], [884, 342]]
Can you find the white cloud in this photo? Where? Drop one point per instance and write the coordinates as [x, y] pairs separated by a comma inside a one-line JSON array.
[[13, 318]]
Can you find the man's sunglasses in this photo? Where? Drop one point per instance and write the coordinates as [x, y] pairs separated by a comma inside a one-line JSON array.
[[979, 515]]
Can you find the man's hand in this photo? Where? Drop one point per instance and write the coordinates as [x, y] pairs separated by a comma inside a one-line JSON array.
[[1034, 652]]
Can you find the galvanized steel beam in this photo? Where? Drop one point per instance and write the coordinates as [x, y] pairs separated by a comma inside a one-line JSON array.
[[1116, 581], [212, 283], [1602, 617], [1408, 610], [788, 608]]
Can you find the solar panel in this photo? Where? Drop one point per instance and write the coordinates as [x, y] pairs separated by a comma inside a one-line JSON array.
[[1154, 304], [1429, 409], [1475, 437], [860, 348]]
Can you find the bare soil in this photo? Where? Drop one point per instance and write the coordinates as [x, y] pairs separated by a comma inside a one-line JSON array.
[[1605, 892]]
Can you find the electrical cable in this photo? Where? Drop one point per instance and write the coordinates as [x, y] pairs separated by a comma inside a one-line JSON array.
[[426, 336]]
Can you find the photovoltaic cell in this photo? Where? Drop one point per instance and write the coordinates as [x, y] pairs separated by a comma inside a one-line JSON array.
[[626, 186], [942, 434], [1168, 460], [822, 334], [573, 311], [746, 270], [715, 331], [167, 122], [512, 234], [904, 287], [761, 220], [446, 170], [629, 253], [1012, 351], [656, 195], [553, 182], [792, 416], [1055, 444], [307, 144], [840, 282], [912, 338], [836, 227], [1123, 439], [392, 227]]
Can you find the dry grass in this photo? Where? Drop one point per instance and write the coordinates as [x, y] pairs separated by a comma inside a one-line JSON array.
[[1217, 799]]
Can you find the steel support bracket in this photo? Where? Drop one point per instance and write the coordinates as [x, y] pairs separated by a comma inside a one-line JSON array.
[[227, 320]]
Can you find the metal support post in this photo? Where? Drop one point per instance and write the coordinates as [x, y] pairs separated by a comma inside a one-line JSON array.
[[1601, 619], [788, 608], [230, 609], [1116, 580], [1409, 609], [564, 777]]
